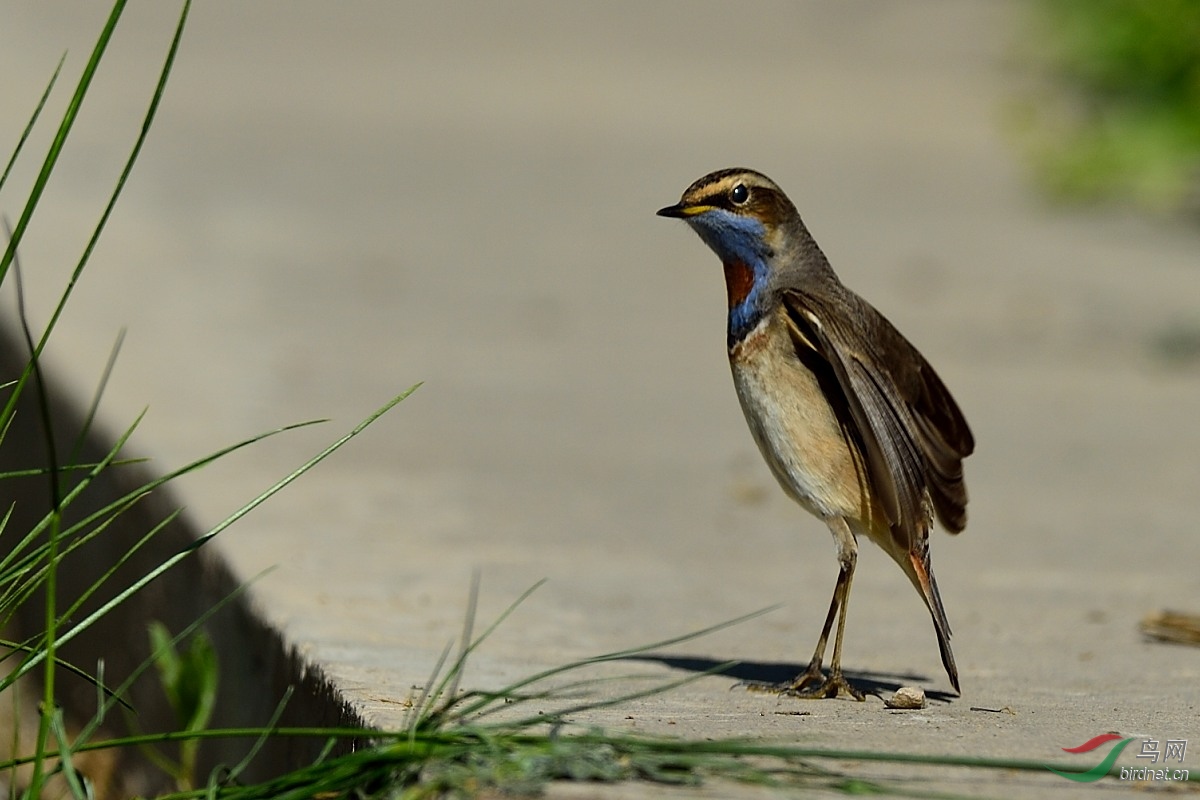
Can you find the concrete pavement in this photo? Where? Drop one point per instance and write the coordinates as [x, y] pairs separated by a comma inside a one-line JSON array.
[[338, 202]]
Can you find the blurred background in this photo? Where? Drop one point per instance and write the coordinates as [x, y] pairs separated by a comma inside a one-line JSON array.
[[340, 200], [1117, 115]]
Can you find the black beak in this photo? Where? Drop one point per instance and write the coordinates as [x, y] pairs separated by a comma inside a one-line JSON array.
[[675, 211]]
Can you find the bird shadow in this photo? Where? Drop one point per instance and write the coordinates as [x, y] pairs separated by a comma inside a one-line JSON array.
[[880, 684]]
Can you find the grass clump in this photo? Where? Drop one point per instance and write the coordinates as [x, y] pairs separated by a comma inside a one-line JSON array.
[[1117, 114], [455, 747]]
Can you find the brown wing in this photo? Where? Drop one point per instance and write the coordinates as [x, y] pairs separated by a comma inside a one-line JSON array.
[[913, 433]]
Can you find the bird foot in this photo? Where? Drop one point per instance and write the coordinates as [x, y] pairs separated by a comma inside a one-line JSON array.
[[812, 684]]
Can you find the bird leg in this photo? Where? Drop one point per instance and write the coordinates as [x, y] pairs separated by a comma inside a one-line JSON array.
[[813, 682]]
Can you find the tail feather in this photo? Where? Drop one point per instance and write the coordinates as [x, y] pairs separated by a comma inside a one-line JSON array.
[[928, 586]]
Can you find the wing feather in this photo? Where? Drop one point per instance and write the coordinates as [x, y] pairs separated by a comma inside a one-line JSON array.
[[913, 434]]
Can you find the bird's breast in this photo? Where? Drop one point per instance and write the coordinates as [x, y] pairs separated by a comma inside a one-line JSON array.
[[801, 432]]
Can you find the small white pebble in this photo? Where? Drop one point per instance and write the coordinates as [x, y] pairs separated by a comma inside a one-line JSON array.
[[906, 697]]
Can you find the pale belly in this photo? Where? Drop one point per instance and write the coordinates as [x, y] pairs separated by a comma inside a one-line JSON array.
[[797, 431]]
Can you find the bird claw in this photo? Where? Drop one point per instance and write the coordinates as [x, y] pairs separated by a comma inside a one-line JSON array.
[[812, 684], [826, 686]]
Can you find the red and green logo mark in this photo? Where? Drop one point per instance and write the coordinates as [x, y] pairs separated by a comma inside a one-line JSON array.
[[1100, 770]]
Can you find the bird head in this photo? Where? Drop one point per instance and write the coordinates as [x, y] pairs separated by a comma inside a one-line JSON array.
[[742, 215]]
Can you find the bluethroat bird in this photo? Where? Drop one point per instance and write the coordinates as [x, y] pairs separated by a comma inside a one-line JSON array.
[[852, 420]]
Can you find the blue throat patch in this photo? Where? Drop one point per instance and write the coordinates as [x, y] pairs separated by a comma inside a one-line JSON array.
[[740, 243]]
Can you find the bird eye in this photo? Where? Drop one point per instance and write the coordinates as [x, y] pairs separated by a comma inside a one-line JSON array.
[[739, 194]]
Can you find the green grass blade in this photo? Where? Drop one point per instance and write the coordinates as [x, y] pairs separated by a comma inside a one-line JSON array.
[[33, 118], [515, 687], [306, 466], [60, 137], [89, 418], [261, 740], [66, 469], [445, 688], [460, 663], [79, 672], [65, 766]]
